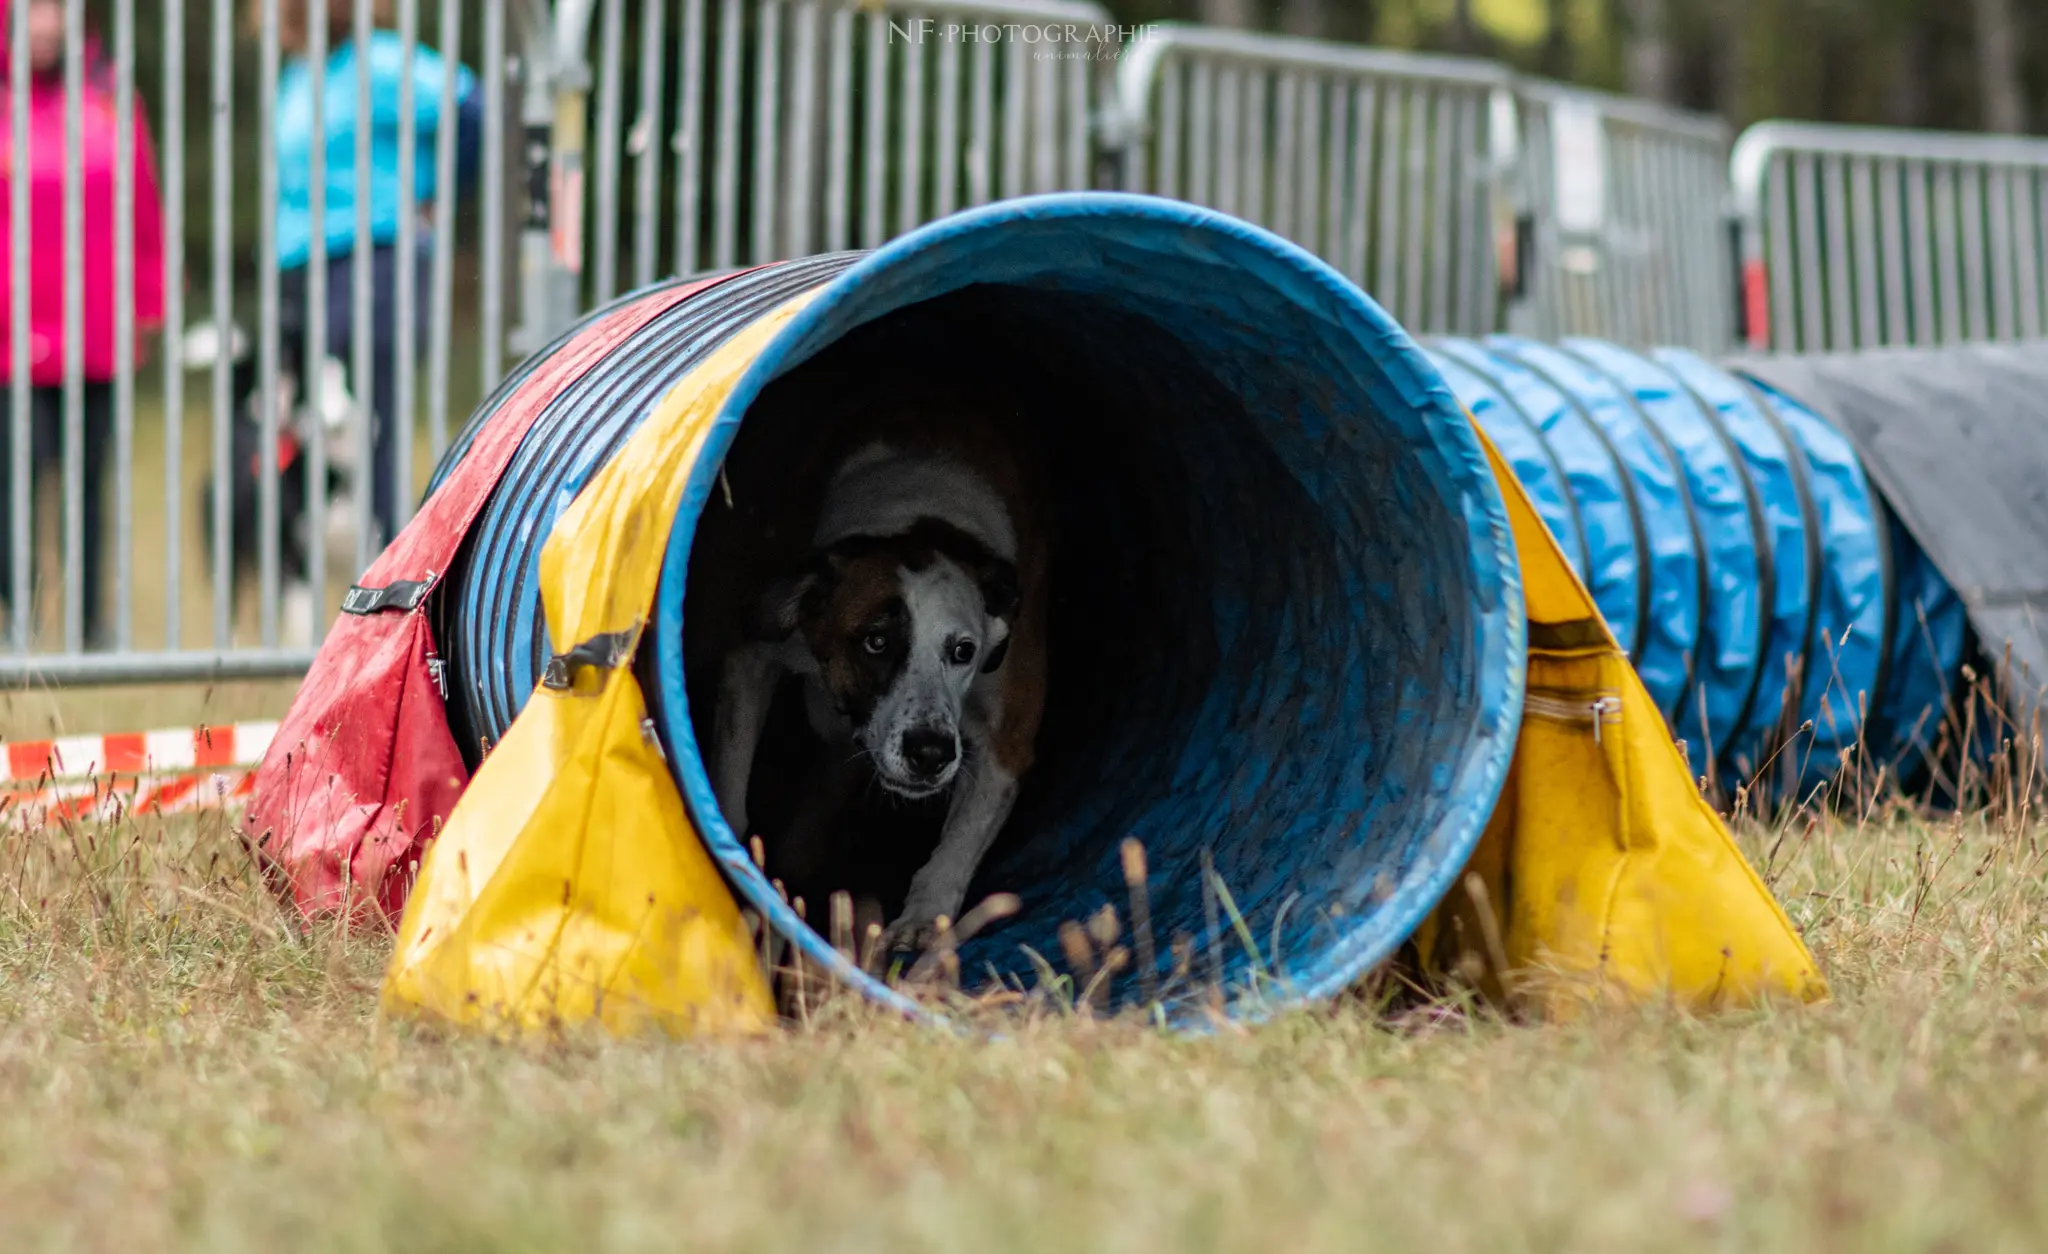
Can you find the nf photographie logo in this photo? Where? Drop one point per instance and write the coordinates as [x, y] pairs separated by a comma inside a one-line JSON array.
[[1066, 40]]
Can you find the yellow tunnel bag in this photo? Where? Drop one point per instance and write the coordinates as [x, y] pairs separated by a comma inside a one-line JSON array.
[[569, 885], [1604, 872]]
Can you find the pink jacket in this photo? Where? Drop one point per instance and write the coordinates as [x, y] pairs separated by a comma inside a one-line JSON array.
[[46, 224]]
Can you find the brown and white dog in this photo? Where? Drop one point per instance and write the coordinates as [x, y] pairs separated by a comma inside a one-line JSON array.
[[917, 628]]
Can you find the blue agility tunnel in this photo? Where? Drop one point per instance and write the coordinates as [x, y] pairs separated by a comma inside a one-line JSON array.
[[1287, 634], [1731, 537]]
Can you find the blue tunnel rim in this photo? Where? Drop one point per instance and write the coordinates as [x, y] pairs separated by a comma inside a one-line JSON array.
[[1499, 631]]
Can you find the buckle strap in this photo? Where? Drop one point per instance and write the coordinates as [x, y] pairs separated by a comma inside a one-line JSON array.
[[400, 594], [604, 652]]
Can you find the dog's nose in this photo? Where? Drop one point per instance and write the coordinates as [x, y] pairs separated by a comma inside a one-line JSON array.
[[928, 752]]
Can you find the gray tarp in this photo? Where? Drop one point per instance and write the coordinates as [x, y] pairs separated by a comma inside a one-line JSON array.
[[1957, 441]]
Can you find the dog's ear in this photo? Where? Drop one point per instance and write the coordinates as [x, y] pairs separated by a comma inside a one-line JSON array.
[[999, 596], [780, 609], [999, 591], [785, 604]]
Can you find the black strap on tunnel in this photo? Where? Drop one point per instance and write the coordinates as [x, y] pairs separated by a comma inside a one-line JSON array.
[[603, 653], [399, 594], [1692, 522], [1802, 487], [1763, 541]]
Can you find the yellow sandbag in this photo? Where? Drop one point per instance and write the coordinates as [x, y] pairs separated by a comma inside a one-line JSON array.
[[1604, 872], [569, 884]]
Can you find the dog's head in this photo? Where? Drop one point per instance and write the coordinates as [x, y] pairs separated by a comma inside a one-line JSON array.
[[899, 628]]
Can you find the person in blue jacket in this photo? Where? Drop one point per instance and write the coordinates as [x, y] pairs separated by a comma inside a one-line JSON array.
[[388, 203]]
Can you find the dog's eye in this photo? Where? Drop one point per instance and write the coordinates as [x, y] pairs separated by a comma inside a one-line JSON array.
[[875, 642], [963, 652]]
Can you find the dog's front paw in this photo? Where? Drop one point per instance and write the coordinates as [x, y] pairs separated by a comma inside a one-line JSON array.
[[911, 936]]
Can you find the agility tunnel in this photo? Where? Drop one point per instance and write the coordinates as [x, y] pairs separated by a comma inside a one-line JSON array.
[[1301, 608], [1777, 612], [1286, 641]]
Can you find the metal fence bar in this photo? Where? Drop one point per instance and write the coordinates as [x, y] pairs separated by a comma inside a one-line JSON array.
[[946, 149], [1016, 116], [611, 90], [125, 163], [687, 141], [1200, 187], [981, 141], [20, 599], [1229, 139], [1976, 296], [1443, 164], [875, 136], [1890, 207], [1784, 296], [2026, 220], [441, 311], [839, 133], [73, 245], [1365, 133], [222, 207], [646, 129], [405, 270], [1254, 172], [1998, 207], [1806, 197], [362, 369], [1948, 256], [1045, 113], [1077, 128], [491, 297], [725, 195], [1308, 197], [1389, 169], [267, 329], [1919, 254], [910, 155], [799, 209], [1863, 249], [767, 111], [1835, 254], [313, 358]]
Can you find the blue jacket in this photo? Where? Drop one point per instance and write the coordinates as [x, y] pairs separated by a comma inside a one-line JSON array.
[[295, 142]]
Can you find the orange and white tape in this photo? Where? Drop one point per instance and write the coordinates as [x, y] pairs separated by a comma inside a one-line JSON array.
[[157, 772]]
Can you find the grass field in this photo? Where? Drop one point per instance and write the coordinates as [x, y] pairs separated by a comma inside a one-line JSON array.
[[178, 1072]]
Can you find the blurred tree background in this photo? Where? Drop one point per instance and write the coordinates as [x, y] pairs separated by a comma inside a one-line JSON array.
[[1950, 64]]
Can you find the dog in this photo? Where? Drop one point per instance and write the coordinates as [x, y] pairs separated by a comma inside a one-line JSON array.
[[916, 631]]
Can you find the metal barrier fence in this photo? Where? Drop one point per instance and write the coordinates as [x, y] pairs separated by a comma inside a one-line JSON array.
[[1379, 162], [801, 126], [758, 129], [191, 587], [1860, 238], [1629, 207]]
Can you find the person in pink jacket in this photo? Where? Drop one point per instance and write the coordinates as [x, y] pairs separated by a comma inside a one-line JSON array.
[[46, 347]]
